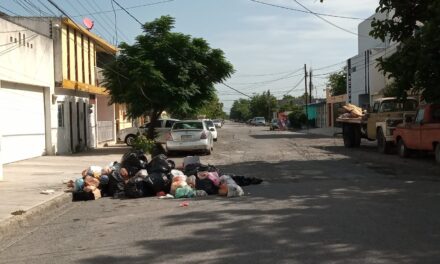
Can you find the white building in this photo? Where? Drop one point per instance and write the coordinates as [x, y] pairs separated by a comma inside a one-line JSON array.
[[27, 102], [84, 117], [364, 80]]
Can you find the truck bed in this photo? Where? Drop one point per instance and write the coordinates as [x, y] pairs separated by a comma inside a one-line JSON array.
[[352, 120]]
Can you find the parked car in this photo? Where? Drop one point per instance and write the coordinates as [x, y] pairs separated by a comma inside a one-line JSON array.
[[211, 128], [422, 133], [258, 121], [190, 135], [162, 126], [274, 124], [218, 123]]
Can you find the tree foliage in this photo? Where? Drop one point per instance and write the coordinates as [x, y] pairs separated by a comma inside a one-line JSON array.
[[165, 71], [415, 67], [213, 109], [263, 105], [338, 83], [297, 118], [241, 110]]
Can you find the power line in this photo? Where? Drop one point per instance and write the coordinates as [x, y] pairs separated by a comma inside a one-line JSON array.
[[308, 12], [328, 21], [140, 23], [270, 81], [232, 88], [130, 7], [269, 74], [294, 87]]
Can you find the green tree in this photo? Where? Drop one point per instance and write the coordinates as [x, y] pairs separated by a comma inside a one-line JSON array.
[[297, 118], [165, 71], [213, 109], [241, 110], [415, 67], [263, 105], [338, 83]]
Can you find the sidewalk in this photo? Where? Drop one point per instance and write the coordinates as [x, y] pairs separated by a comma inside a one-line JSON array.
[[324, 131], [24, 180]]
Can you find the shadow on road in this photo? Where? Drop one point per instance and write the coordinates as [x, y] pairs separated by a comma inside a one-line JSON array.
[[312, 211]]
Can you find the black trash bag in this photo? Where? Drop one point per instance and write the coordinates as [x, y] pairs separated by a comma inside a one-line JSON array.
[[191, 169], [207, 185], [116, 184], [135, 187], [157, 182], [134, 161], [159, 164], [245, 181], [82, 196]]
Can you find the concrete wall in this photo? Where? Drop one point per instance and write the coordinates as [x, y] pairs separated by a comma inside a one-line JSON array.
[[364, 77], [365, 41], [26, 59]]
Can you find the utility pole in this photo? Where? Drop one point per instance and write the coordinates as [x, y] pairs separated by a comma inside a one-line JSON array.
[[310, 86], [305, 94]]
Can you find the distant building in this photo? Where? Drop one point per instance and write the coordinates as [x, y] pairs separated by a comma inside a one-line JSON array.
[[364, 80]]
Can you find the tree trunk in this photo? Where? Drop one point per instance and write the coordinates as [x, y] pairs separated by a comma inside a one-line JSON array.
[[154, 115]]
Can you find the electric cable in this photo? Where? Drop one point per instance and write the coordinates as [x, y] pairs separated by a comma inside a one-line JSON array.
[[309, 12]]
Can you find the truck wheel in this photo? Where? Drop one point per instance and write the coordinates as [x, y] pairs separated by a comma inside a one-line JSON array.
[[402, 149], [437, 153], [348, 136], [382, 145], [357, 137]]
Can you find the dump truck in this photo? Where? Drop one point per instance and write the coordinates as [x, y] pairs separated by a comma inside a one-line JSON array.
[[378, 123]]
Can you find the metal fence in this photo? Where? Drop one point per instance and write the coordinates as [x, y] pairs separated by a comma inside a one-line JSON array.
[[105, 131]]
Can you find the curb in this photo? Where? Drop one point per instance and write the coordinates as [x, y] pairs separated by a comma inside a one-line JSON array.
[[18, 222]]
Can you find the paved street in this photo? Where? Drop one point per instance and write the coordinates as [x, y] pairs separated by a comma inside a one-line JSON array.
[[320, 203]]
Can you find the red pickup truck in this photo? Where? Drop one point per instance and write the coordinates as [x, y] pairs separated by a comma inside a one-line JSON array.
[[422, 133]]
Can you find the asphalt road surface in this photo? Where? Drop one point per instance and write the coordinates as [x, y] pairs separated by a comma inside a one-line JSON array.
[[319, 203]]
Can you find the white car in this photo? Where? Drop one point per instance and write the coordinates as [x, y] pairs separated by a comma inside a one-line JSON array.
[[211, 128], [218, 123], [189, 135], [162, 126]]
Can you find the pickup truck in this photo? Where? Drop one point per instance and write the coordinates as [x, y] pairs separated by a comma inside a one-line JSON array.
[[422, 133], [161, 127], [378, 124]]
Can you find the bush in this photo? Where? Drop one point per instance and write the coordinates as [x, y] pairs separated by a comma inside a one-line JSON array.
[[297, 119], [143, 143]]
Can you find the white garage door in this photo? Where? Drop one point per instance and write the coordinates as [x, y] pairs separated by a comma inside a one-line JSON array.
[[21, 122]]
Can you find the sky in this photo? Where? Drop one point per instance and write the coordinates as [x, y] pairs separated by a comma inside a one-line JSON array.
[[267, 45]]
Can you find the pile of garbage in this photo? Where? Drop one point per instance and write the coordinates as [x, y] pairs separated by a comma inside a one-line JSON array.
[[352, 111], [135, 177]]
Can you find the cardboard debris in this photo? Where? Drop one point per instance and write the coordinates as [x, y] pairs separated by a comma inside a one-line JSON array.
[[354, 110]]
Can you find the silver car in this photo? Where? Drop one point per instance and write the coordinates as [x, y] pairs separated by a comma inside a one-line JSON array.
[[190, 135]]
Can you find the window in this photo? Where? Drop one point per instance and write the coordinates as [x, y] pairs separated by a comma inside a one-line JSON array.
[[11, 39], [420, 115], [353, 69], [188, 125], [169, 123], [60, 114], [376, 107]]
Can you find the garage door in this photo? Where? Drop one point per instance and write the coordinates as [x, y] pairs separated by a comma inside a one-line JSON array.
[[22, 122]]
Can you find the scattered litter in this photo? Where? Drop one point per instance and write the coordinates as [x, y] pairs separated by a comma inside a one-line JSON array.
[[167, 196], [47, 192], [184, 204]]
